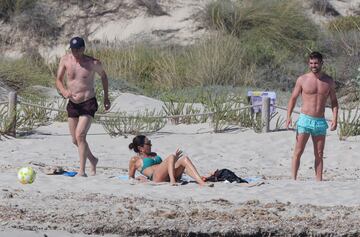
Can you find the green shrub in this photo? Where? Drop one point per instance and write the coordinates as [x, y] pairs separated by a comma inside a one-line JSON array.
[[123, 123], [341, 55], [37, 23], [4, 121], [9, 8], [349, 124], [273, 35], [278, 24]]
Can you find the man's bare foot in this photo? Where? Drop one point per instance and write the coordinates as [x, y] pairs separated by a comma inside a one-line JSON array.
[[80, 174], [93, 164]]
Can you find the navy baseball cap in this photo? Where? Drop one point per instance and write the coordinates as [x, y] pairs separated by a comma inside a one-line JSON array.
[[77, 43]]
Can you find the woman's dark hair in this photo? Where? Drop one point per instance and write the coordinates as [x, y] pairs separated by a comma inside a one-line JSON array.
[[139, 140], [316, 55]]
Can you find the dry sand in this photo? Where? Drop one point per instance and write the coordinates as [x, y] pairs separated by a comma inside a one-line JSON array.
[[56, 205]]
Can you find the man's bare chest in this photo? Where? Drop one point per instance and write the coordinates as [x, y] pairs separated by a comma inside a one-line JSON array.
[[76, 71], [316, 87]]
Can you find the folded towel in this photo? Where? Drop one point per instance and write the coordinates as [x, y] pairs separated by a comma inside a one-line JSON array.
[[70, 173]]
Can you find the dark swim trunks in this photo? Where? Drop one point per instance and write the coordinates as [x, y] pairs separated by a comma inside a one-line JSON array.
[[88, 107]]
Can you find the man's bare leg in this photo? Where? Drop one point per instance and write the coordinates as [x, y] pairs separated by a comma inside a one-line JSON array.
[[319, 144], [83, 148], [301, 140], [73, 122]]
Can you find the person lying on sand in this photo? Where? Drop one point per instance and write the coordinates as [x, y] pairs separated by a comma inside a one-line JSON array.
[[154, 168]]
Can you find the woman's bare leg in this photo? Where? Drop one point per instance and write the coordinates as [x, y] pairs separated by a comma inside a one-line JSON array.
[[185, 163], [165, 170]]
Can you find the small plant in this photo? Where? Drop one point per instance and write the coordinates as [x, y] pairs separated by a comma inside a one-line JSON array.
[[60, 114], [172, 108], [221, 109], [248, 119], [189, 109], [349, 124], [4, 121], [123, 123], [280, 121], [30, 116]]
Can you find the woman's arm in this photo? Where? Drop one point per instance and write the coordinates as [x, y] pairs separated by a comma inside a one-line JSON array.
[[132, 166]]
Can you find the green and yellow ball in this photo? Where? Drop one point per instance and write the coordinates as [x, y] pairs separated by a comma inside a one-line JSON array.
[[26, 175]]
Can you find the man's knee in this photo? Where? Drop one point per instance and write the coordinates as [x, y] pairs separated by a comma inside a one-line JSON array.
[[298, 152], [319, 154], [74, 141], [80, 137]]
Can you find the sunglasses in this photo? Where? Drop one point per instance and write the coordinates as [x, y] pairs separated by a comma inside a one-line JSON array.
[[148, 143]]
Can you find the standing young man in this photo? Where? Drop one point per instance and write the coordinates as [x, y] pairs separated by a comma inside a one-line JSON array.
[[80, 71], [314, 87]]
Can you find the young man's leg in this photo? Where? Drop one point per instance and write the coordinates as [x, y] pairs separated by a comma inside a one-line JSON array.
[[301, 140], [319, 144], [73, 122]]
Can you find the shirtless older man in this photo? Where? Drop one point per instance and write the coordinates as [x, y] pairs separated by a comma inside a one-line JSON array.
[[80, 71], [315, 87]]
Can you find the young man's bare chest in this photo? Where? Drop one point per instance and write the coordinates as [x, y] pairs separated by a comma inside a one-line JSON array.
[[312, 86]]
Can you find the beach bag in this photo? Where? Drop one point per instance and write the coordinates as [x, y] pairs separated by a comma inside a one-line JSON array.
[[225, 175]]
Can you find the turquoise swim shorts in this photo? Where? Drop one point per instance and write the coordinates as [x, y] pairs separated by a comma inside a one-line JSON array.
[[313, 125]]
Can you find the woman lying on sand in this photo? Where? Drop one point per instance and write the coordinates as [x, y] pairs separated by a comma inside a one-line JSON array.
[[154, 168]]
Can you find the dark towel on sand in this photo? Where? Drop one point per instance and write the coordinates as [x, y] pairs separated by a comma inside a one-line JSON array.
[[225, 174]]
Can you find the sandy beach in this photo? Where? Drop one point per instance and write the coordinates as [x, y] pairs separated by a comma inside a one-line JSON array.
[[109, 204]]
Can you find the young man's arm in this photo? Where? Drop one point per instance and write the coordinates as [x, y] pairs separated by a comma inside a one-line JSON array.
[[59, 82], [292, 101], [334, 107], [105, 83]]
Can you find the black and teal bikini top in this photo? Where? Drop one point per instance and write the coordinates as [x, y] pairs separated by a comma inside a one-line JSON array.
[[150, 161]]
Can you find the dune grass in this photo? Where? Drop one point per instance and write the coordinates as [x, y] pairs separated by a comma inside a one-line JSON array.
[[344, 23], [213, 61], [22, 73]]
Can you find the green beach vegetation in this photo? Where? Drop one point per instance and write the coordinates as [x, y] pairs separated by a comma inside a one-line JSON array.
[[252, 45], [10, 8]]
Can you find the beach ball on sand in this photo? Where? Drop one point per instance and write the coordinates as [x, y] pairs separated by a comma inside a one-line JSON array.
[[26, 175]]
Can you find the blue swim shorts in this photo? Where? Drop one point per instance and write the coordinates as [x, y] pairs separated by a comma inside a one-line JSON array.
[[313, 125]]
